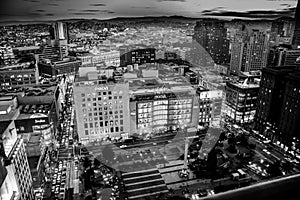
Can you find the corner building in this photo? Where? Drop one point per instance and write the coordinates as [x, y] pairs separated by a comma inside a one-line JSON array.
[[102, 109], [159, 108]]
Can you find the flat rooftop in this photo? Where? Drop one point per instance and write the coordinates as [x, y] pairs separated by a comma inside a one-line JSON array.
[[38, 90], [34, 111], [21, 66], [244, 86]]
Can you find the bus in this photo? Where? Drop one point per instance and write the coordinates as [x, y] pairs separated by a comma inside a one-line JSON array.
[[242, 173]]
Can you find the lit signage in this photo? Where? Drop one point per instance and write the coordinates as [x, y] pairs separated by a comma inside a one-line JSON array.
[[160, 96], [40, 121], [101, 88]]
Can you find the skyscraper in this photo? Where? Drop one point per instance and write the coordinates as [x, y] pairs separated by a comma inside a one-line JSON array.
[[211, 34], [58, 31], [278, 104], [249, 51], [17, 184], [296, 37], [59, 39]]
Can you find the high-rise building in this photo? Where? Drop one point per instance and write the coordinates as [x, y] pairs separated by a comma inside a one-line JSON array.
[[277, 56], [59, 31], [249, 51], [296, 36], [241, 99], [18, 181], [59, 39], [101, 107], [211, 35], [292, 58], [278, 104]]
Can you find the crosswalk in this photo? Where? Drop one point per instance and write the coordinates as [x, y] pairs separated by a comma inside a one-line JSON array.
[[145, 183]]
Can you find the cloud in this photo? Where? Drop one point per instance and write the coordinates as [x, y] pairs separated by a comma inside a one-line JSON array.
[[97, 4], [53, 4], [251, 14], [33, 1], [90, 10], [172, 0], [83, 13], [143, 7], [40, 10]]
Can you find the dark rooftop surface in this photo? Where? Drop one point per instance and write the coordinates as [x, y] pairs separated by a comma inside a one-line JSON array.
[[33, 161], [4, 125], [278, 189]]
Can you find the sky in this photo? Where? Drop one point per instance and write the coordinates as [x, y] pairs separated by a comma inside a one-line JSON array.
[[30, 10]]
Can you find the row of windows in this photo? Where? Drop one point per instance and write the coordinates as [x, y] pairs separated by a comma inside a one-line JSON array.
[[101, 98], [103, 113], [104, 130], [101, 93], [101, 118], [104, 123]]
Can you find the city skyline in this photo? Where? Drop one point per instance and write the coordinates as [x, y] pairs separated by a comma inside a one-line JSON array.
[[33, 10]]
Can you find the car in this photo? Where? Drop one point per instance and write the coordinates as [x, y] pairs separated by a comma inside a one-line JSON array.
[[123, 146]]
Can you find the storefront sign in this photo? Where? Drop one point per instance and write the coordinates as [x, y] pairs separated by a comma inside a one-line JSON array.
[[101, 88], [39, 121], [160, 96]]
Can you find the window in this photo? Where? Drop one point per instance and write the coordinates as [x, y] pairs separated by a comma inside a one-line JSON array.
[[91, 125], [88, 99], [82, 95], [86, 132], [83, 105], [120, 97], [104, 93], [99, 98], [85, 125], [115, 97], [121, 122], [109, 93]]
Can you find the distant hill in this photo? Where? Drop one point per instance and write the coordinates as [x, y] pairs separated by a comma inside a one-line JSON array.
[[149, 19]]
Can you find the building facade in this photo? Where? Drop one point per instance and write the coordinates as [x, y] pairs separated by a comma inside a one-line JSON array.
[[249, 51], [137, 56], [277, 109], [101, 109], [211, 34], [165, 111], [296, 36], [210, 106], [18, 182], [241, 100], [19, 74]]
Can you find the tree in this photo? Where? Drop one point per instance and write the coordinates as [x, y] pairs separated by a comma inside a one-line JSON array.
[[212, 161], [97, 163], [87, 162], [274, 169]]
